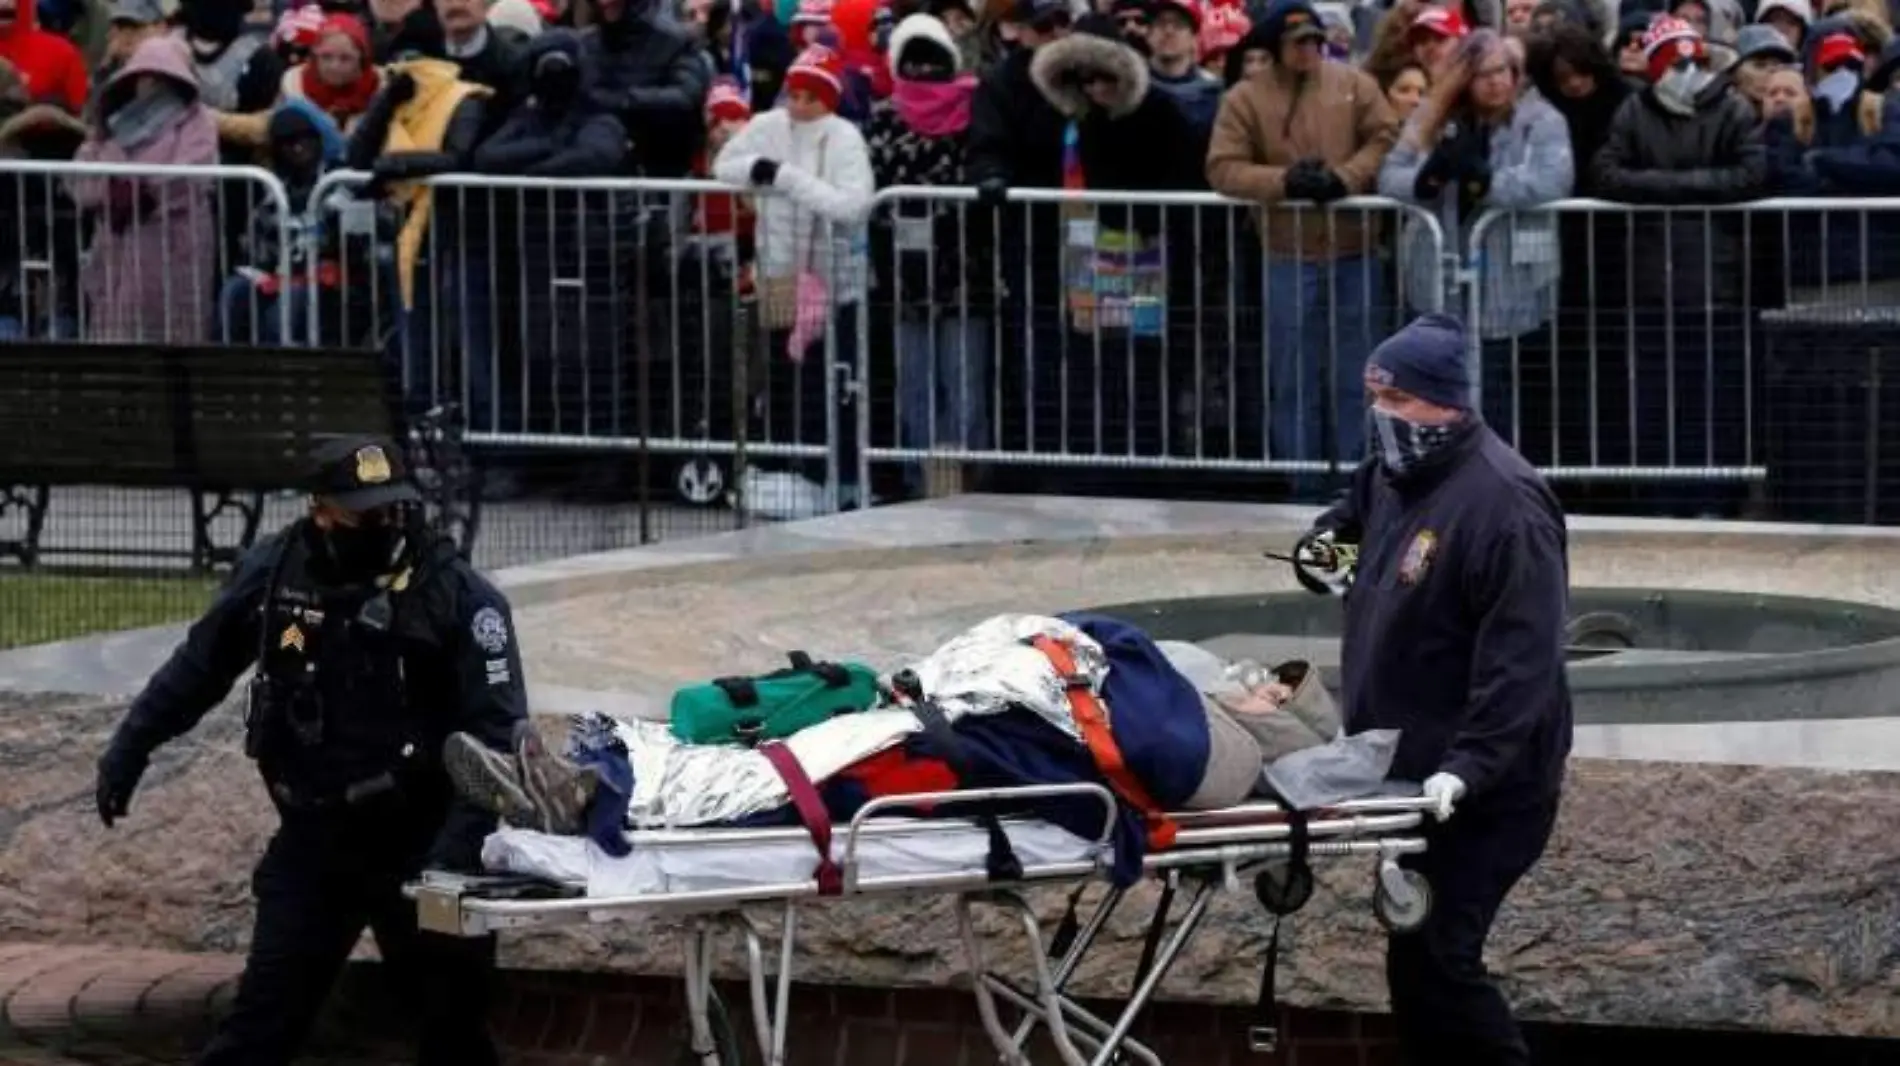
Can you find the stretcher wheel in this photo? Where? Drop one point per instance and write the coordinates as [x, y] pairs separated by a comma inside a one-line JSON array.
[[1407, 909], [1283, 888], [728, 1048]]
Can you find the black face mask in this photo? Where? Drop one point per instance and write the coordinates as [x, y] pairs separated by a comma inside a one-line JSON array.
[[557, 81], [368, 550], [213, 20]]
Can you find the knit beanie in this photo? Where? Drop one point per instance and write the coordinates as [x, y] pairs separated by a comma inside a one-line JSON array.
[[725, 103], [819, 71], [1426, 359]]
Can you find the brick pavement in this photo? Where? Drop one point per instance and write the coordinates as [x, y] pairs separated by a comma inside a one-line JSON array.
[[94, 1002]]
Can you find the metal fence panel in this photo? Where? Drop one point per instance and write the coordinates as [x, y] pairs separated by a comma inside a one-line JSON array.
[[1676, 342], [1123, 330]]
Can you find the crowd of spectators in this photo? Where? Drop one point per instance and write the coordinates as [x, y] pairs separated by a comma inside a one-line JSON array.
[[1230, 335]]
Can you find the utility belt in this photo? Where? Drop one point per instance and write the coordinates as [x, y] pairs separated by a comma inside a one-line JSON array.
[[285, 723], [385, 785]]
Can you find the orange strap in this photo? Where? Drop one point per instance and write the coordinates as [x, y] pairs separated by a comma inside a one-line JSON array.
[[1092, 719]]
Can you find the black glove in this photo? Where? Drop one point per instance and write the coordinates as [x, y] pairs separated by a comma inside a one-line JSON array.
[[1305, 179], [1440, 167], [992, 192], [764, 171], [119, 771], [1329, 187], [400, 87], [1473, 186]]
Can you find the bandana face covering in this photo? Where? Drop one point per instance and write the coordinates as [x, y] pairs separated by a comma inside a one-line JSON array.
[[1678, 89], [1402, 445]]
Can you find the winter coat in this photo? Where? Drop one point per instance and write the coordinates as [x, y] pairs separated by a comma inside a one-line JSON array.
[[1654, 157], [148, 274], [654, 77], [434, 132], [564, 234], [1267, 124], [957, 264], [52, 69], [1518, 265], [1016, 139], [35, 212], [824, 186], [1140, 142]]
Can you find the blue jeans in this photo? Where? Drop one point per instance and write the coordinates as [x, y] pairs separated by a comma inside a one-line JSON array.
[[247, 316], [1322, 320], [453, 317], [62, 328], [944, 384]]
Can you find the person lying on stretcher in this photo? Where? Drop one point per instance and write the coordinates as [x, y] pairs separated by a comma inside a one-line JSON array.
[[1195, 731]]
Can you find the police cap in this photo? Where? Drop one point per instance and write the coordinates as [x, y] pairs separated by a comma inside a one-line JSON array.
[[361, 473]]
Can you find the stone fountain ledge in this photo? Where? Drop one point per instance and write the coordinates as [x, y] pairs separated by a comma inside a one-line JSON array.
[[1675, 893]]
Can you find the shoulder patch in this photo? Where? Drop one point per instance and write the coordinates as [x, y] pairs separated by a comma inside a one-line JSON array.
[[490, 631]]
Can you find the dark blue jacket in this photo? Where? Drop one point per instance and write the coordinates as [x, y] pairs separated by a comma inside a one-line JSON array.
[[1454, 630]]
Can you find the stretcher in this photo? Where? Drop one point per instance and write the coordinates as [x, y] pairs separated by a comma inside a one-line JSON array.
[[1212, 852]]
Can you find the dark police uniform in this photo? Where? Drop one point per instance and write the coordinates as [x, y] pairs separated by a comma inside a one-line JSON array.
[[358, 685], [1454, 635]]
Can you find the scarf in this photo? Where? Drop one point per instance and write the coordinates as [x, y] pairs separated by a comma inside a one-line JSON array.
[[341, 104], [1677, 90], [140, 120], [935, 109], [1404, 447]]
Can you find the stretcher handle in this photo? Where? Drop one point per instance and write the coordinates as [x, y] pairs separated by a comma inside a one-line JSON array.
[[974, 795]]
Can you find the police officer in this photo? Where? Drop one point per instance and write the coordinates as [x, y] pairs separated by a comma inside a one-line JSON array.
[[1454, 636], [373, 641]]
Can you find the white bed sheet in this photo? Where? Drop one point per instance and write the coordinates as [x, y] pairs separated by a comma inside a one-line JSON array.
[[654, 867]]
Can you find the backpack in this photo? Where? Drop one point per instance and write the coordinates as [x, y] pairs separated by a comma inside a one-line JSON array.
[[747, 710]]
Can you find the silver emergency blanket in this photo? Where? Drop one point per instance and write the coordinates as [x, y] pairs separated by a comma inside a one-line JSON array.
[[990, 666], [981, 671]]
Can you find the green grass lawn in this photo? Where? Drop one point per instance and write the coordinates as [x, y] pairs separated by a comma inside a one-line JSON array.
[[37, 608]]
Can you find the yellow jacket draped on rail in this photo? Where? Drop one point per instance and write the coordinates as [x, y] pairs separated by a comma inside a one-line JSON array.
[[419, 126]]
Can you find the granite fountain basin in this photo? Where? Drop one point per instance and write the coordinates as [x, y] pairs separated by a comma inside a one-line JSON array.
[[1638, 655]]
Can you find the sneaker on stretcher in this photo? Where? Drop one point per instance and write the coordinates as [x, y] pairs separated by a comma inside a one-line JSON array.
[[533, 788]]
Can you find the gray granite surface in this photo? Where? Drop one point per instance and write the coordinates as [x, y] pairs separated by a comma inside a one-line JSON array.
[[1683, 888]]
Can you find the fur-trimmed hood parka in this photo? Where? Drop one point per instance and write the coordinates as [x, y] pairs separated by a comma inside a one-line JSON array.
[[1060, 67], [1139, 141]]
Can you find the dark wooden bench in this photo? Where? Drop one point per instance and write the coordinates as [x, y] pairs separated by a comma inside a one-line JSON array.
[[226, 424]]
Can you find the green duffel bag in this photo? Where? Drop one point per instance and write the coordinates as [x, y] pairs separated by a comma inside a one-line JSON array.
[[746, 710]]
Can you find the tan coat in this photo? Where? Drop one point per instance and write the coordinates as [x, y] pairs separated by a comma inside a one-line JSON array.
[[1270, 122]]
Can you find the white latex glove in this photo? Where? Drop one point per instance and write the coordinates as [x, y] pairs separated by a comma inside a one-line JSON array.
[[1443, 790]]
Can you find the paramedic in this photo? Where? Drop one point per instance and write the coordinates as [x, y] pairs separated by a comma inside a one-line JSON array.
[[374, 640], [1454, 636]]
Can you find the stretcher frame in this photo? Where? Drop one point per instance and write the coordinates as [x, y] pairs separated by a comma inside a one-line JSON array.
[[1212, 851]]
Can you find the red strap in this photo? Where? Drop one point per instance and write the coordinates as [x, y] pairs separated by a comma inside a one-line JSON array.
[[811, 811], [1092, 719]]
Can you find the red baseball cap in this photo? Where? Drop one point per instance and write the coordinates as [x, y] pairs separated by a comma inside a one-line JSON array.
[[1838, 48], [1440, 21]]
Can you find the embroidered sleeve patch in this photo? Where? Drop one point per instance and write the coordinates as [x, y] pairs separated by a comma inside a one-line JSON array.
[[490, 630]]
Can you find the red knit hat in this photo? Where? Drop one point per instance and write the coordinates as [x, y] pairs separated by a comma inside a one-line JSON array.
[[1668, 41], [299, 28], [819, 71], [725, 103]]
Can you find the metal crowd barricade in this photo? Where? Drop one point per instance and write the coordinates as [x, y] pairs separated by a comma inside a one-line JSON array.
[[142, 253], [1673, 346], [1157, 331], [593, 315]]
